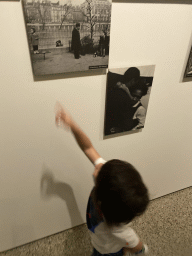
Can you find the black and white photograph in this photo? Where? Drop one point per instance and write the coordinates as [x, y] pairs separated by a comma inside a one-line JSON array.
[[188, 70], [68, 35], [127, 97]]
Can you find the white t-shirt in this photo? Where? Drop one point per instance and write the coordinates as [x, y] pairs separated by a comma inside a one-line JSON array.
[[111, 240]]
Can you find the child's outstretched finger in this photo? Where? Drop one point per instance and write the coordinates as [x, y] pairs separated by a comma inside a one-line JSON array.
[[62, 118], [58, 114], [58, 120], [58, 107]]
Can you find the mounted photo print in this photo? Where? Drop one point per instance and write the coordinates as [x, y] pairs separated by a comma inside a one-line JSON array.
[[68, 35], [127, 97], [188, 70]]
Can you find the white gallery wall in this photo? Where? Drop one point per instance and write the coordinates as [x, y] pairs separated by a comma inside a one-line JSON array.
[[45, 179]]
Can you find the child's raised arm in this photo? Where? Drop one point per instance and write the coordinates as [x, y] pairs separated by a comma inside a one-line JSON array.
[[63, 118]]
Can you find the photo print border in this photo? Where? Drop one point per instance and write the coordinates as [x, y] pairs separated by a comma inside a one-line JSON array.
[[127, 97], [68, 36]]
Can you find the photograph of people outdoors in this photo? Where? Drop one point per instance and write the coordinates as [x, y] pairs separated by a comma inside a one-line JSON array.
[[127, 97], [68, 35], [188, 70]]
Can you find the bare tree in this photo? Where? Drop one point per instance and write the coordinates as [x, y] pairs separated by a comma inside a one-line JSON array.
[[90, 17], [43, 10], [105, 28], [38, 12], [68, 8]]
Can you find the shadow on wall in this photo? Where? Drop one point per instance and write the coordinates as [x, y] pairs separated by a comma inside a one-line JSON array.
[[50, 188]]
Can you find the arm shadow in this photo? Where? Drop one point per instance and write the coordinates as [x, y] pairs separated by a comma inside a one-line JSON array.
[[50, 188]]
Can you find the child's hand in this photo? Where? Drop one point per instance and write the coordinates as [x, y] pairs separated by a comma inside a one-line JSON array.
[[61, 117]]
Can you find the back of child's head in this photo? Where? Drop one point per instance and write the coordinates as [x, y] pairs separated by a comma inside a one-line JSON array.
[[120, 192]]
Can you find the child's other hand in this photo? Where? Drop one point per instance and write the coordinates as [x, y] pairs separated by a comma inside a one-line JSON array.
[[61, 117]]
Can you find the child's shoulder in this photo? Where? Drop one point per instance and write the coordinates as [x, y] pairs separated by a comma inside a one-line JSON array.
[[121, 229], [122, 226]]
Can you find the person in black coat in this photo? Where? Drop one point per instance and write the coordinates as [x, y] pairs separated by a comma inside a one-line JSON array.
[[76, 42], [102, 44]]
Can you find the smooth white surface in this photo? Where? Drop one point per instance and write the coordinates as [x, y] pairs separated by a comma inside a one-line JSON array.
[[31, 145]]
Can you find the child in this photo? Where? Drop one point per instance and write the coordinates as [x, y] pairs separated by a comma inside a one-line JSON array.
[[119, 195], [34, 40]]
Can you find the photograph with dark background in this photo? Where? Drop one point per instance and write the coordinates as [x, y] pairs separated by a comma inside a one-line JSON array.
[[127, 97]]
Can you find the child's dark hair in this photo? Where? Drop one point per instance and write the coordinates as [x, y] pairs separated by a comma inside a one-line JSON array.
[[120, 192]]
